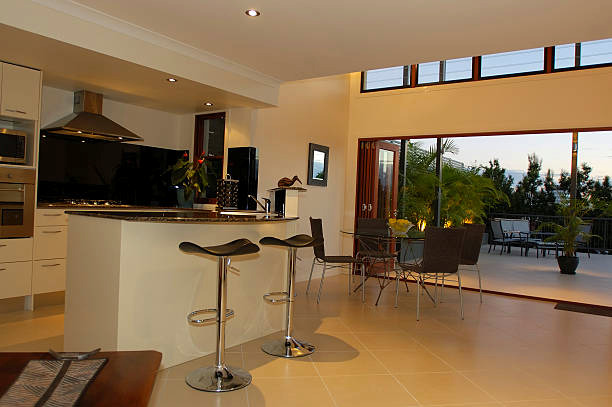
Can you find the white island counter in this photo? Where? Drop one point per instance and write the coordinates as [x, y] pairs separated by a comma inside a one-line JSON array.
[[129, 287]]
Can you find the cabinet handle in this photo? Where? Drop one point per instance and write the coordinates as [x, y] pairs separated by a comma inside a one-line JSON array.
[[2, 269], [3, 245], [11, 190], [50, 265], [16, 111], [52, 214], [52, 231]]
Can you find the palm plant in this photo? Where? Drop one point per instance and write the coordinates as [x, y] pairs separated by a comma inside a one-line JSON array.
[[570, 231]]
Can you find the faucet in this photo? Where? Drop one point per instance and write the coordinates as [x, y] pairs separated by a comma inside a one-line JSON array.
[[265, 206]]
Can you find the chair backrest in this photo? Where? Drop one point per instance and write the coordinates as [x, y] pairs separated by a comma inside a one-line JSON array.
[[496, 229], [521, 225], [442, 251], [375, 227], [472, 243], [584, 228], [507, 225], [316, 229]]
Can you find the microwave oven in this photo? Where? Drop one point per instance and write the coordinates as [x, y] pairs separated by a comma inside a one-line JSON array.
[[12, 146]]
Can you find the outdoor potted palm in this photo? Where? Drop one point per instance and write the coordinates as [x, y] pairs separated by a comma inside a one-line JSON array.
[[190, 178], [570, 210]]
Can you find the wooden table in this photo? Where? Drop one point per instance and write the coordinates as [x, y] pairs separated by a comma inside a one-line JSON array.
[[126, 380]]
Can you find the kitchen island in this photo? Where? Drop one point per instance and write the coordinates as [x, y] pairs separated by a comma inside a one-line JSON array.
[[129, 287]]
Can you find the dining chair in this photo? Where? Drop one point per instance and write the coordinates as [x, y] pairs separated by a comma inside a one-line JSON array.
[[500, 237], [471, 249], [375, 246], [441, 257], [330, 262]]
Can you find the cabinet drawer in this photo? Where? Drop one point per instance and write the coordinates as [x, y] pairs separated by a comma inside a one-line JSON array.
[[15, 250], [50, 217], [15, 279], [48, 276], [50, 242]]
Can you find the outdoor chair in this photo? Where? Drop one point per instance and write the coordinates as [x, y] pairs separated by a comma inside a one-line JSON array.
[[582, 242], [522, 230], [329, 262], [471, 249], [441, 258], [500, 237]]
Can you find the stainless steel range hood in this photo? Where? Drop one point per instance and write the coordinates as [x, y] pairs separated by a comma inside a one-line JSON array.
[[87, 121]]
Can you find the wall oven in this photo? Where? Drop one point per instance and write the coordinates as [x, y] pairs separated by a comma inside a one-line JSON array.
[[17, 202], [12, 146]]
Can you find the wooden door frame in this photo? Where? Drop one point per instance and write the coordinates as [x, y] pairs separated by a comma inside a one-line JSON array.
[[385, 145]]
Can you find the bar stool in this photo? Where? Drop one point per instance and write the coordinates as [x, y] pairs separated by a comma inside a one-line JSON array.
[[218, 378], [288, 347]]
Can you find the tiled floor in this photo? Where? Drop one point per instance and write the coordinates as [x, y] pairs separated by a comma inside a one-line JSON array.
[[540, 277], [507, 352]]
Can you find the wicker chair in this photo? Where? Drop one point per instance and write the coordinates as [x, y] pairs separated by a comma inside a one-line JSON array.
[[441, 257], [328, 262], [471, 249]]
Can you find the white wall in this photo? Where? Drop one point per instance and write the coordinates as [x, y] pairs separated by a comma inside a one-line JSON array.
[[312, 111], [157, 128]]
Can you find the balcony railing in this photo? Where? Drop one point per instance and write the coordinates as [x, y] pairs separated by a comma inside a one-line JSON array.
[[602, 227]]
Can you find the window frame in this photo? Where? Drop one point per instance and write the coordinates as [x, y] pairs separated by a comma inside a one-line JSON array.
[[411, 71]]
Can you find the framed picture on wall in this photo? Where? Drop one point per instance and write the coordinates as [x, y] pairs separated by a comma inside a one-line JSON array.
[[318, 161]]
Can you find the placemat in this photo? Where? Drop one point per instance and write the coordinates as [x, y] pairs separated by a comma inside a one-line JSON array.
[[51, 383]]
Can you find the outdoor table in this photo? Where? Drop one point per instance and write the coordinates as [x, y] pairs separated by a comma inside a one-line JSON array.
[[386, 240]]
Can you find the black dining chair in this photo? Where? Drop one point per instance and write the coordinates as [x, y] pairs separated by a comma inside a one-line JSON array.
[[329, 262], [441, 257]]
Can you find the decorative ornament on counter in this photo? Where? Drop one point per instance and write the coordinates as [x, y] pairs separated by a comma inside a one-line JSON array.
[[286, 182]]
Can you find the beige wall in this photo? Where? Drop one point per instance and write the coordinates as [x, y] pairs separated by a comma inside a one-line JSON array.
[[313, 111], [576, 99], [159, 129]]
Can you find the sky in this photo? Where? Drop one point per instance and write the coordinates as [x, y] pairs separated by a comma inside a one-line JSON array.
[[595, 148]]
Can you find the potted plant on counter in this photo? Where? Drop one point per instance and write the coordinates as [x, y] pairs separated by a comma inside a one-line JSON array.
[[190, 178], [568, 233]]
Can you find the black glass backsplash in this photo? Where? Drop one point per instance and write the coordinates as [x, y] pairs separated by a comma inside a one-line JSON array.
[[79, 168]]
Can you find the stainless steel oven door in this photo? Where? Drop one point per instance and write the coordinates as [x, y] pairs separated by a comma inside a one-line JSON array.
[[16, 203]]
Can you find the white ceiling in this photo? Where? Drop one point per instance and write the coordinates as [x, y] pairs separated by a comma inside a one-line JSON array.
[[299, 39], [73, 68]]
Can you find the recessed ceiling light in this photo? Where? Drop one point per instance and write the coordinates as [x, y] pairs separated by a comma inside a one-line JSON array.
[[172, 80], [120, 138], [79, 131], [252, 12], [208, 104], [82, 141]]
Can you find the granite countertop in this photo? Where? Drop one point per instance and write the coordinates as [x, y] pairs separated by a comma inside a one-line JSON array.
[[62, 205], [185, 216]]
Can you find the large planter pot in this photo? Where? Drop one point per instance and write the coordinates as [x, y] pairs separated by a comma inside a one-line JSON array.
[[182, 202], [567, 264]]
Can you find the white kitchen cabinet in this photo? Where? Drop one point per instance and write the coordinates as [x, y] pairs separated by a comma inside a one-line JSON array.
[[48, 276], [50, 217], [12, 250], [20, 95], [15, 279], [50, 242]]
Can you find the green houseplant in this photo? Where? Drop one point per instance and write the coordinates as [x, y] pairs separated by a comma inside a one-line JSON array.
[[190, 177], [570, 210]]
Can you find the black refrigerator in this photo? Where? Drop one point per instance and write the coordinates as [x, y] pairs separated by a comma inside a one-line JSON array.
[[243, 165]]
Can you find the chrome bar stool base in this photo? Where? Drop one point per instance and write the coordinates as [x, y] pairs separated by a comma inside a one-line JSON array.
[[288, 348], [218, 381]]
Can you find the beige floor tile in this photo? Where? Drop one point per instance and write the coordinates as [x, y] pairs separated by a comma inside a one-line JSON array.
[[543, 403], [319, 325], [596, 381], [333, 342], [443, 388], [372, 390], [294, 392], [595, 401], [347, 363], [260, 364], [399, 340], [177, 393], [411, 361], [512, 385]]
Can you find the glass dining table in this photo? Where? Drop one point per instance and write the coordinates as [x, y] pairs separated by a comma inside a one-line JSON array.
[[392, 250]]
